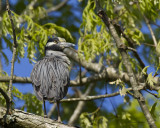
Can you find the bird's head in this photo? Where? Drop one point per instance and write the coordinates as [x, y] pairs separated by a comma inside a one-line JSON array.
[[57, 44]]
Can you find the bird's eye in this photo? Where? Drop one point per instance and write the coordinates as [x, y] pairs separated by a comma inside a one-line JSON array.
[[56, 41]]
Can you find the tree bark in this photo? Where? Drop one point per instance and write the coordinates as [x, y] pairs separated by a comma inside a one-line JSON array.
[[21, 119]]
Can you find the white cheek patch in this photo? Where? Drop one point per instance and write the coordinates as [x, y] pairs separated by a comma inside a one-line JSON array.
[[50, 43]]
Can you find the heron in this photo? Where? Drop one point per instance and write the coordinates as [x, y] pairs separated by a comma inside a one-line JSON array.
[[50, 75]]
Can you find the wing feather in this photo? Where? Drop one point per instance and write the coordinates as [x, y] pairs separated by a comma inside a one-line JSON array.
[[50, 78]]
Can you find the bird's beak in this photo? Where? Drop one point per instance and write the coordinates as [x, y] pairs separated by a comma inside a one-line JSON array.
[[66, 44]]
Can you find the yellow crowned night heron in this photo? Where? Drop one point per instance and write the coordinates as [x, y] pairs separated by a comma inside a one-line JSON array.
[[50, 76]]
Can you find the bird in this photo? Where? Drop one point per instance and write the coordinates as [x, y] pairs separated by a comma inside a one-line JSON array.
[[50, 75]]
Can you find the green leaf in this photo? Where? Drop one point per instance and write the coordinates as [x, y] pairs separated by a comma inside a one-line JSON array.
[[158, 48], [144, 71], [158, 93], [123, 91], [84, 120], [30, 106], [126, 115], [152, 110], [17, 93], [5, 58], [100, 122], [150, 80]]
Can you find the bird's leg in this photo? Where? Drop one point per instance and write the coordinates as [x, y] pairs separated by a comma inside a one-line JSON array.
[[59, 117], [45, 114]]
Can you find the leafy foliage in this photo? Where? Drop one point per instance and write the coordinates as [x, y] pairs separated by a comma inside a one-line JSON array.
[[92, 120], [94, 39], [32, 104], [30, 34]]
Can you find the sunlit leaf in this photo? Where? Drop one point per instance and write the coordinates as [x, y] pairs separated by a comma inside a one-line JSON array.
[[123, 91], [150, 80], [144, 71], [152, 109]]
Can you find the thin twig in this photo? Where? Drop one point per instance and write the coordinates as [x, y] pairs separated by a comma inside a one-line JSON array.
[[151, 93], [149, 44], [55, 8], [30, 5], [132, 49], [87, 98], [149, 26], [14, 53]]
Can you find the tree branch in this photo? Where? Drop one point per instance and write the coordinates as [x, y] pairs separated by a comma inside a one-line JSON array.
[[133, 80], [28, 120], [87, 98], [88, 65], [110, 75], [14, 53], [151, 31], [55, 8], [31, 4], [131, 44]]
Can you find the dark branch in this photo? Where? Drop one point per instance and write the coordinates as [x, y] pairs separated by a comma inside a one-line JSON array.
[[7, 101], [133, 80]]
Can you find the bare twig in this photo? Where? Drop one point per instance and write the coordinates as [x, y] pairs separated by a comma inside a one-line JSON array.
[[16, 79], [132, 49], [14, 52], [148, 44], [87, 98], [151, 31], [55, 8], [155, 95], [149, 26], [31, 4]]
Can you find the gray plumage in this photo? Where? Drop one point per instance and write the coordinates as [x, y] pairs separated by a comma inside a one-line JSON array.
[[50, 76]]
